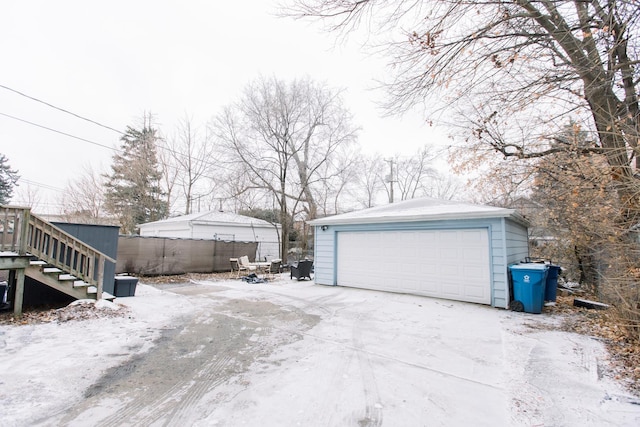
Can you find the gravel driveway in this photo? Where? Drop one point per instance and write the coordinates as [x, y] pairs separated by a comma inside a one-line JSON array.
[[294, 353]]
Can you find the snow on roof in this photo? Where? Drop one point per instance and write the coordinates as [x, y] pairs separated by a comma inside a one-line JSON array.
[[422, 209], [217, 217]]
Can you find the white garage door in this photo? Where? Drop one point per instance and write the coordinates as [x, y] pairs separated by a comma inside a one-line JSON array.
[[451, 264]]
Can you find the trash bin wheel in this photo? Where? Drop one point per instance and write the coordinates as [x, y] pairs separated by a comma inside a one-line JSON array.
[[516, 306]]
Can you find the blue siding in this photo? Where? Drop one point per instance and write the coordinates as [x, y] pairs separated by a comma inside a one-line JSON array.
[[324, 256], [515, 247], [507, 240], [517, 241]]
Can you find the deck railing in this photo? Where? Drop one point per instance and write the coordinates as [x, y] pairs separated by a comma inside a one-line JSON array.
[[26, 234], [13, 236]]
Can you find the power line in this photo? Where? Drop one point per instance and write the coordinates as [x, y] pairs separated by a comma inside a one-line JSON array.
[[39, 184], [217, 164], [117, 150], [57, 131], [61, 109]]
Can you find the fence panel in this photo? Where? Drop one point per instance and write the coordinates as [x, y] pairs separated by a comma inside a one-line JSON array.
[[166, 256]]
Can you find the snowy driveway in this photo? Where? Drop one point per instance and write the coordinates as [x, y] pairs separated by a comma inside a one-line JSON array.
[[295, 353]]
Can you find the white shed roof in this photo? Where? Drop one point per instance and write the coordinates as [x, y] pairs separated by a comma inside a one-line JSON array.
[[215, 217], [423, 209]]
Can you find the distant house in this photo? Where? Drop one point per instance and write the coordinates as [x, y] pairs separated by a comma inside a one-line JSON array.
[[217, 225]]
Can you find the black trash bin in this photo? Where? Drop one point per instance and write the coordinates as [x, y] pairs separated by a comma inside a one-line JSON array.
[[551, 286], [125, 286]]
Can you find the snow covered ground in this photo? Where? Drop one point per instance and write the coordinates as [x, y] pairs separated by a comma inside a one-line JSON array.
[[294, 353]]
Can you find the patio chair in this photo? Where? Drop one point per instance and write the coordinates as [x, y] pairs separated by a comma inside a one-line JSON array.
[[235, 267], [244, 263], [302, 270], [274, 268]]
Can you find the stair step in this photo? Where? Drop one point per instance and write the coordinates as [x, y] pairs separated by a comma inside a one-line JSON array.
[[65, 277], [51, 270], [37, 262], [80, 284]]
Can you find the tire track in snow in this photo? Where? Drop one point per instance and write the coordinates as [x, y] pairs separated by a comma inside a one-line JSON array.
[[182, 397], [373, 415], [209, 379], [168, 374], [170, 380], [175, 382]]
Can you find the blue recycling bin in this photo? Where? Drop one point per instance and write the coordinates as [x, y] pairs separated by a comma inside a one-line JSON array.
[[551, 285], [529, 283]]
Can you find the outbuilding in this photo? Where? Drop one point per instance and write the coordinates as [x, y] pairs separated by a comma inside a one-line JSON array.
[[218, 225], [430, 247]]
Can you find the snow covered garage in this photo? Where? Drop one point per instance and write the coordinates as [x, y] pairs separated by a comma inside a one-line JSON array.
[[429, 247], [219, 225]]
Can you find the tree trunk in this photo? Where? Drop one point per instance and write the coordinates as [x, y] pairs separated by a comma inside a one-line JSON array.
[[605, 111]]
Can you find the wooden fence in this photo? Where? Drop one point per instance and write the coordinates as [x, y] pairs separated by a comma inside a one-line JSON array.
[[165, 256]]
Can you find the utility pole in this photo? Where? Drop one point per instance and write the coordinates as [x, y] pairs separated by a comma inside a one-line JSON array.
[[389, 178]]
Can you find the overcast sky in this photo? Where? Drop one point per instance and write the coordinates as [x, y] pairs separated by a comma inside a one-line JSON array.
[[113, 61]]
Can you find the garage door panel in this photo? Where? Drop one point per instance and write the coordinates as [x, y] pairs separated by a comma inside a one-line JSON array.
[[451, 264], [430, 286]]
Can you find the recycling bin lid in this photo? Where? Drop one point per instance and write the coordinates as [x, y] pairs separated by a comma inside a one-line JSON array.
[[529, 266]]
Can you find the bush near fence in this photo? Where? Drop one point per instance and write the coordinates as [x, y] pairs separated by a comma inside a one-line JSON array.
[[151, 256]]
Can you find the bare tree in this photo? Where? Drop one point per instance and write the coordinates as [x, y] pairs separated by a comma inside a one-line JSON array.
[[29, 195], [283, 134], [170, 171], [369, 179], [192, 156], [445, 187], [84, 197], [512, 70], [413, 173], [407, 176]]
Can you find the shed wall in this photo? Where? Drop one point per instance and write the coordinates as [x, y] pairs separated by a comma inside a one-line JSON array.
[[170, 229], [104, 238], [267, 237]]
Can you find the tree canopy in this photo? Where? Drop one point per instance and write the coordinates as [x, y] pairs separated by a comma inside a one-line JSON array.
[[287, 136], [512, 74], [133, 190]]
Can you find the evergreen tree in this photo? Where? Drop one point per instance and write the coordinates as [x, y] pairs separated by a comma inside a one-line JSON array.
[[133, 191], [8, 179]]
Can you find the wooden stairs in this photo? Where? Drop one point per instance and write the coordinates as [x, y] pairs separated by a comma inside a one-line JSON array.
[[35, 248], [64, 282]]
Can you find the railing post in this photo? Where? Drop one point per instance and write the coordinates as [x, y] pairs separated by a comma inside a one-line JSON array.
[[24, 231], [19, 294], [101, 262]]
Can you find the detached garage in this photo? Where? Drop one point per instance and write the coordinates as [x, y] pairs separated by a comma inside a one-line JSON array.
[[429, 247]]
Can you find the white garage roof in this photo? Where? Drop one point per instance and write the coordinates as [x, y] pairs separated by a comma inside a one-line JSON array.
[[214, 218], [423, 209]]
